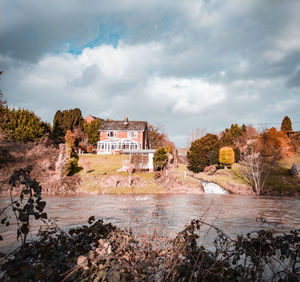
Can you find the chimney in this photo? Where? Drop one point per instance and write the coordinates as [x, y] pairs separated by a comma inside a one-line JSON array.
[[126, 120]]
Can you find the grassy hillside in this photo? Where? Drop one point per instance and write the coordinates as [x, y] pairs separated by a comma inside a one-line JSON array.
[[228, 179], [280, 180], [101, 176]]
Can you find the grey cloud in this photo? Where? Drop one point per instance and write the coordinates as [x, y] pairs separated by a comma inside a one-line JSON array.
[[34, 28], [226, 43], [88, 76], [294, 80]]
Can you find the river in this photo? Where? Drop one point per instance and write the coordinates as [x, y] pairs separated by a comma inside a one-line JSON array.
[[171, 212]]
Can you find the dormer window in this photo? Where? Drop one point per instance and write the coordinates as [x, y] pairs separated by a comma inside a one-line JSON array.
[[132, 134], [111, 134]]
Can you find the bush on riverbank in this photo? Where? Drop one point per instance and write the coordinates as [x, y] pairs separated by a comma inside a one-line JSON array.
[[103, 252]]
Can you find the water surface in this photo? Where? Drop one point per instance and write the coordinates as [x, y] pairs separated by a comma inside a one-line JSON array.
[[171, 212]]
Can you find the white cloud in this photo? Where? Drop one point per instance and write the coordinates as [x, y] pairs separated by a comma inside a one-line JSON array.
[[186, 96], [183, 64], [125, 63]]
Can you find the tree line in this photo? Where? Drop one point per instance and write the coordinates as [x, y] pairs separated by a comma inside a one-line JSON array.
[[23, 125], [256, 152]]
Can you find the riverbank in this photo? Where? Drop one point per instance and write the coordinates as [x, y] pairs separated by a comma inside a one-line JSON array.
[[279, 182], [227, 179], [101, 175]]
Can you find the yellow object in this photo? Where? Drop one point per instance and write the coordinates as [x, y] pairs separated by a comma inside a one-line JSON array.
[[226, 156]]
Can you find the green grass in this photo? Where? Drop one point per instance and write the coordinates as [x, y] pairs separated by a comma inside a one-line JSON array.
[[180, 176], [101, 164], [280, 179], [102, 168]]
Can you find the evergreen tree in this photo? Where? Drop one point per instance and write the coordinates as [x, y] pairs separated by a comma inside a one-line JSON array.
[[203, 152], [230, 135], [23, 125], [160, 159], [91, 130], [244, 128], [235, 131], [58, 131], [226, 138], [64, 121], [286, 124]]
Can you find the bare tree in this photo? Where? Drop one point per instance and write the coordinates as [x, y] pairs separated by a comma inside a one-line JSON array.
[[248, 136], [196, 134], [158, 139], [254, 170]]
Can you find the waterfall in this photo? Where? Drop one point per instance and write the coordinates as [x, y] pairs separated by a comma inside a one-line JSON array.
[[212, 188]]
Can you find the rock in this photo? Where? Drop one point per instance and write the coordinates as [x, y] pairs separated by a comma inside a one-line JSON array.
[[210, 170], [295, 169], [82, 261]]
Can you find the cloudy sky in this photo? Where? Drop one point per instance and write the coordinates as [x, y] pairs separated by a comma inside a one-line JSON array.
[[178, 64]]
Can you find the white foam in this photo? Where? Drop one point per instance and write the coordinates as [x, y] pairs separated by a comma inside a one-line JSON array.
[[212, 188]]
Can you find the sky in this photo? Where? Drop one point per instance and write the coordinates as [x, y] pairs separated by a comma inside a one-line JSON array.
[[180, 65]]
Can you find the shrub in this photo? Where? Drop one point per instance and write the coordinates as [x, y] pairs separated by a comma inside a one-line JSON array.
[[70, 139], [237, 154], [203, 152], [71, 166], [160, 159], [226, 156], [273, 144], [295, 142], [72, 163]]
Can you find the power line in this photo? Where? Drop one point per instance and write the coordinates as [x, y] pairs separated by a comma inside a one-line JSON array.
[[265, 123]]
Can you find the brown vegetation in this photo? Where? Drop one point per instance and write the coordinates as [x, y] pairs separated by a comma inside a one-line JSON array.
[[46, 160]]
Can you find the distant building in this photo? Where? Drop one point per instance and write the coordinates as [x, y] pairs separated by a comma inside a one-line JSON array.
[[182, 152], [90, 118], [116, 136]]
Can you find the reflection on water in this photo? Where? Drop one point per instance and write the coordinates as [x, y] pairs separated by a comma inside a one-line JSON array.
[[233, 214]]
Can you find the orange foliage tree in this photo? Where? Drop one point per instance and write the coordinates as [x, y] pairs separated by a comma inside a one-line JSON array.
[[273, 144], [261, 156]]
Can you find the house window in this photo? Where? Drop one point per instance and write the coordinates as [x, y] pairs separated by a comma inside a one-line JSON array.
[[132, 134], [111, 134]]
